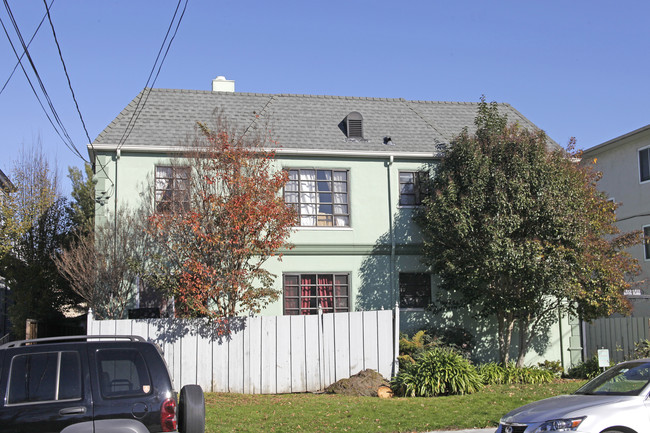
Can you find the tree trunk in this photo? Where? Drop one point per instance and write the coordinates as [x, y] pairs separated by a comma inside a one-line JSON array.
[[524, 341], [505, 327]]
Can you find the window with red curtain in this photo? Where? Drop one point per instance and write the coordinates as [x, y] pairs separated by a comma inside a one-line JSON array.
[[304, 293]]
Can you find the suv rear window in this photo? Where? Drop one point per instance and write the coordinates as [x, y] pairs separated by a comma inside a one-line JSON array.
[[122, 373], [41, 377]]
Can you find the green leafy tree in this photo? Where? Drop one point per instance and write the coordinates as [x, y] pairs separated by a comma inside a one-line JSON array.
[[83, 198], [36, 224], [521, 233]]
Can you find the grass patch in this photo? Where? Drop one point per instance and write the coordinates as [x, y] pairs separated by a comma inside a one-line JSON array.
[[326, 413]]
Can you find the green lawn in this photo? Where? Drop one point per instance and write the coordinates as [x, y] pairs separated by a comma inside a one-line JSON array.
[[326, 413]]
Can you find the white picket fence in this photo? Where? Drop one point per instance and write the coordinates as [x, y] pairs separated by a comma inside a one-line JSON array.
[[269, 354]]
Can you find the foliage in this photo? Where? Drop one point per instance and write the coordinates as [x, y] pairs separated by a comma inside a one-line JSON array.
[[497, 374], [554, 367], [642, 349], [102, 266], [326, 413], [212, 253], [409, 347], [36, 190], [35, 224], [83, 195], [585, 370], [438, 371], [521, 233]]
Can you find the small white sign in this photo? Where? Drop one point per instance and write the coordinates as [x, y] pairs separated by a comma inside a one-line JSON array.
[[603, 358]]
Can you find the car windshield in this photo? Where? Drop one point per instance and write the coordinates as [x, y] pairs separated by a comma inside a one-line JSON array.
[[623, 379]]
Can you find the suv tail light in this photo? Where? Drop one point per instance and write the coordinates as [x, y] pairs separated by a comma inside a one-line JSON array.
[[168, 420]]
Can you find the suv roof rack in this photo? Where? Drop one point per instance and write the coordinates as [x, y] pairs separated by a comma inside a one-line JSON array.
[[19, 343]]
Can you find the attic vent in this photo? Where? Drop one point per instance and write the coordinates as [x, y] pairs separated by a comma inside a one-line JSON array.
[[355, 125]]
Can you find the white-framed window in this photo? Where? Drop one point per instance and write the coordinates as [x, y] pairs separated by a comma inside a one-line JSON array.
[[172, 189], [321, 196], [646, 242], [412, 187], [644, 164], [414, 290], [305, 293]]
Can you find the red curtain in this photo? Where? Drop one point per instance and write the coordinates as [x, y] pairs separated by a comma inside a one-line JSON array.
[[326, 293], [306, 285]]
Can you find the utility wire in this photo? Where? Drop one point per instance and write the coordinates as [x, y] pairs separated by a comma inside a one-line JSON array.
[[23, 54], [68, 140], [74, 98], [148, 87]]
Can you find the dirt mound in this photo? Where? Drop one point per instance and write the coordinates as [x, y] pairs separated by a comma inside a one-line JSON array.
[[365, 383]]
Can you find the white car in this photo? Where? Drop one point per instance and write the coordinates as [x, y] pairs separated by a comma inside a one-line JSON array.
[[617, 401]]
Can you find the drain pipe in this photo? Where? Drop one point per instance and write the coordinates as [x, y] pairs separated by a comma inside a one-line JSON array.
[[391, 229]]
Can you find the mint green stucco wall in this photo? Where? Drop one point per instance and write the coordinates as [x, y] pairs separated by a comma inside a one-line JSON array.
[[381, 242]]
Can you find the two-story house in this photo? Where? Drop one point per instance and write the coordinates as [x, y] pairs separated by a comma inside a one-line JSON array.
[[625, 165], [356, 167]]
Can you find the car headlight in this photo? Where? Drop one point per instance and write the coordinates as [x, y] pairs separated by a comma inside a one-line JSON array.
[[567, 424]]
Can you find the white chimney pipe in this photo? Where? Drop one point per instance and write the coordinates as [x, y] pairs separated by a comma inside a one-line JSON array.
[[220, 84]]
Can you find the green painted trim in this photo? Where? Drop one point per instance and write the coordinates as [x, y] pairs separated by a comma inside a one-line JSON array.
[[352, 250]]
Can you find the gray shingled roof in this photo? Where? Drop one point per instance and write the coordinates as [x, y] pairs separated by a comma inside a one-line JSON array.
[[166, 117]]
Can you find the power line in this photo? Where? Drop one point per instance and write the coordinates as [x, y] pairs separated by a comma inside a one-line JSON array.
[[67, 140], [67, 76], [147, 88], [65, 70], [23, 54]]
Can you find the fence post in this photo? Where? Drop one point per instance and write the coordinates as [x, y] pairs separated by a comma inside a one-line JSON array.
[[321, 349], [395, 340]]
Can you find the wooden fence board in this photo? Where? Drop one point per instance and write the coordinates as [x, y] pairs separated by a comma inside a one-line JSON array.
[[269, 354]]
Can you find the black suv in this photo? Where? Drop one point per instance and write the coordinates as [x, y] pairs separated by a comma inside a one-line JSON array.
[[93, 384]]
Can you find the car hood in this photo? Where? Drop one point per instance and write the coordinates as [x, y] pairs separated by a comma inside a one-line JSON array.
[[563, 406]]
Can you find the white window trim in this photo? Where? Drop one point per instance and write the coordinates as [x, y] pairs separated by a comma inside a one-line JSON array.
[[638, 165], [645, 258]]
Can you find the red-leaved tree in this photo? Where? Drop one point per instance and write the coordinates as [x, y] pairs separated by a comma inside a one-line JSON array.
[[225, 218]]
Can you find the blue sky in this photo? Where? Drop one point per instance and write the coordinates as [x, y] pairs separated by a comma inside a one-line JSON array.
[[574, 68]]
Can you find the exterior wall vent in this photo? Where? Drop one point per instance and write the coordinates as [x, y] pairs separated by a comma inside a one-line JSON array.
[[354, 125]]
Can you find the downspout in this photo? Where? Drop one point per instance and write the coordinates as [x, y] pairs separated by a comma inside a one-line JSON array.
[[394, 293], [118, 154]]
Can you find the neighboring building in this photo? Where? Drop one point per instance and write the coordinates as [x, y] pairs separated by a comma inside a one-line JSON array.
[[356, 167], [6, 187], [625, 164]]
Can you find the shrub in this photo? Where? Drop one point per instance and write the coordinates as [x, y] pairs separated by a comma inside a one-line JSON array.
[[554, 367], [492, 373], [437, 371], [409, 347], [642, 349], [585, 370], [496, 374]]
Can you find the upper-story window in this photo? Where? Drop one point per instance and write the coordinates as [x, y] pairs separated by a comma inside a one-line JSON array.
[[172, 191], [412, 187], [644, 164], [646, 242], [321, 197]]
